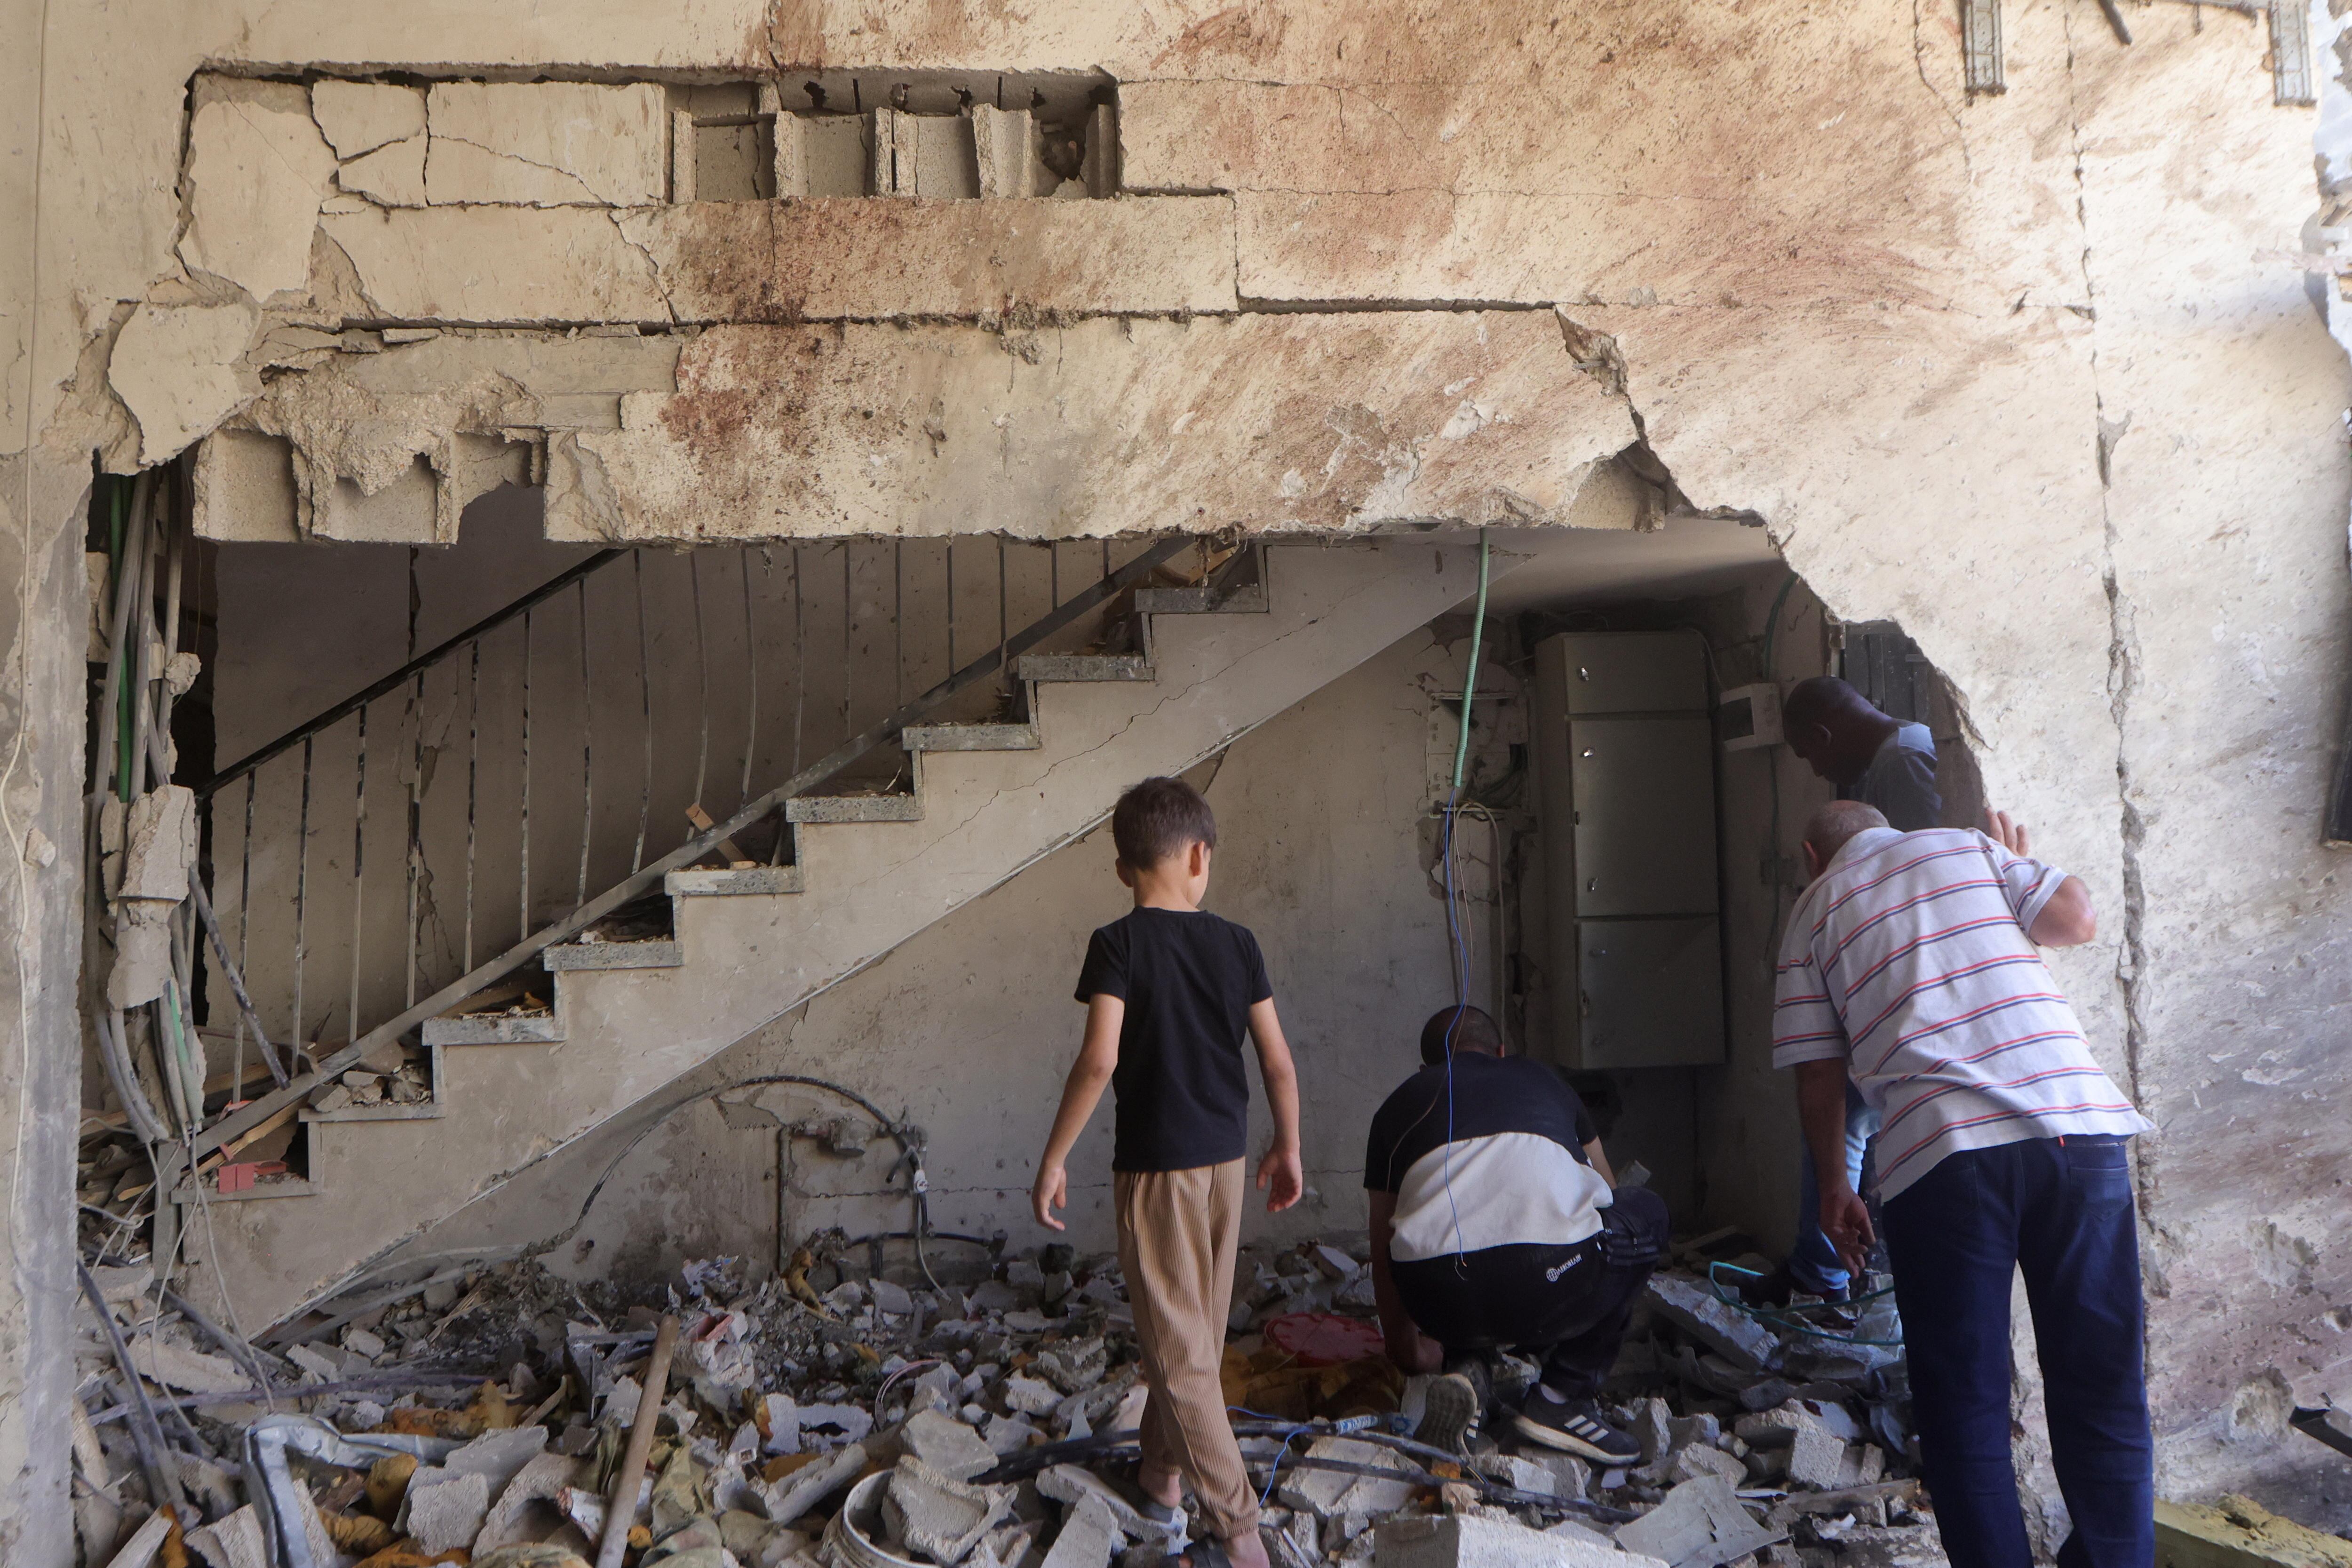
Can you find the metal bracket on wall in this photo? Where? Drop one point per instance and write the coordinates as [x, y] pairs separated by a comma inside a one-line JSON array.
[[1981, 47]]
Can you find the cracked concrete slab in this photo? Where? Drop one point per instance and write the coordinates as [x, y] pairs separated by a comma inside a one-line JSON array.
[[361, 116], [257, 169], [181, 371], [497, 265], [546, 143]]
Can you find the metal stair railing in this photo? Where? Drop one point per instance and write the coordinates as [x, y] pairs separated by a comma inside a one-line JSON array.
[[1162, 558]]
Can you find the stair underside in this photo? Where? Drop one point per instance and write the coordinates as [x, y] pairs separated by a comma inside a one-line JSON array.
[[871, 870]]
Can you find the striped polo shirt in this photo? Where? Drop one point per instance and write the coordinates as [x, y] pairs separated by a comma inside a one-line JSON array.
[[1907, 959]]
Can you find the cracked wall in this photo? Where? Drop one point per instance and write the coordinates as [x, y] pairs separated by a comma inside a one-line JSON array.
[[2032, 375]]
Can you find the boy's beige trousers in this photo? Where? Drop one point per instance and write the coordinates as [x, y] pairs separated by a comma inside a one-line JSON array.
[[1178, 1231]]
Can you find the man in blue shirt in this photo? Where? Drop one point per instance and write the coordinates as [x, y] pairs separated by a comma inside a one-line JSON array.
[[1885, 763]]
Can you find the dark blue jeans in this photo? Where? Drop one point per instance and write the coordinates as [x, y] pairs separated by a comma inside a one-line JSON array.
[[2060, 1211]]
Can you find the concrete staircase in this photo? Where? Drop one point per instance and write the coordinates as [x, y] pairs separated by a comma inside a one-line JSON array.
[[870, 871]]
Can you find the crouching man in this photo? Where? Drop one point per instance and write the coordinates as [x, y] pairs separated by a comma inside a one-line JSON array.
[[1494, 1225]]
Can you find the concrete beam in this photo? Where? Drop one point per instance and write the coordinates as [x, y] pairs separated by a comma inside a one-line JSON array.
[[1265, 422]]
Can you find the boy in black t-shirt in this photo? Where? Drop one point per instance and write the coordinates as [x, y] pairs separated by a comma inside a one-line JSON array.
[[1496, 1221], [1170, 992]]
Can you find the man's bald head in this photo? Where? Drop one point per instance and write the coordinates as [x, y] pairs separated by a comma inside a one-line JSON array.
[[1831, 826], [1833, 727]]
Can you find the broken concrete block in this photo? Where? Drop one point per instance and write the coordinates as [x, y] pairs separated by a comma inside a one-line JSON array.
[[1685, 1430], [1525, 1474], [445, 1510], [1816, 1460], [844, 1423], [361, 116], [1008, 1435], [179, 370], [1653, 1429], [541, 1479], [1334, 1263], [1089, 1537], [1864, 1464], [180, 1367], [947, 1445], [1572, 1476], [891, 1298], [1700, 1525], [547, 143], [1698, 1459], [498, 1456], [547, 1555], [1731, 1332], [257, 169], [1474, 1541], [1029, 1396], [806, 1488], [1582, 1535], [940, 1517], [362, 1342], [1326, 1493]]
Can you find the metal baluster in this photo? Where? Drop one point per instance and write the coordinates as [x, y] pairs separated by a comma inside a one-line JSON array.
[[800, 658], [702, 675], [244, 930], [295, 1037], [646, 700], [524, 928], [473, 780], [898, 623], [951, 663], [1106, 549], [415, 826], [849, 615], [751, 659], [587, 736], [1004, 629], [1054, 556], [359, 870]]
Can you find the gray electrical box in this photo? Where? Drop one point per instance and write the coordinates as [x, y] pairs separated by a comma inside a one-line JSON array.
[[1624, 754]]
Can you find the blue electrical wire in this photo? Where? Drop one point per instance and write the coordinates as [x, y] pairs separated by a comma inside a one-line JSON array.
[[1459, 944]]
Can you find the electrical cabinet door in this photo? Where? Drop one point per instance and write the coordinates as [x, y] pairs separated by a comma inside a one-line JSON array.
[[1633, 672], [1651, 993], [1645, 816]]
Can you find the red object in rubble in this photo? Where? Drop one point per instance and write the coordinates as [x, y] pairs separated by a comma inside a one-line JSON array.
[[1323, 1339]]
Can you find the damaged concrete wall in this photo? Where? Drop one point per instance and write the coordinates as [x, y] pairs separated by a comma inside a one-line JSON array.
[[2016, 371]]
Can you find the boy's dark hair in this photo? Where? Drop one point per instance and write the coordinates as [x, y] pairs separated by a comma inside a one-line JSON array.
[[1159, 817], [1472, 1030]]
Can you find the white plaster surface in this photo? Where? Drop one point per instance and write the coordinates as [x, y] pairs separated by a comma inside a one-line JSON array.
[[546, 143], [179, 370], [256, 173]]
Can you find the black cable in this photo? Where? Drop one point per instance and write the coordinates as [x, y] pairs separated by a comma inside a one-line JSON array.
[[146, 1431]]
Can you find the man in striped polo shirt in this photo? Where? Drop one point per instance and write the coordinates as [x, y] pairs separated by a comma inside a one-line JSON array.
[[1910, 969]]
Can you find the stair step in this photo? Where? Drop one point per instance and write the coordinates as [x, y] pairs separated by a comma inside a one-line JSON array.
[[495, 1029], [578, 955], [855, 808], [1201, 599], [186, 1193], [1084, 667], [969, 737], [704, 882]]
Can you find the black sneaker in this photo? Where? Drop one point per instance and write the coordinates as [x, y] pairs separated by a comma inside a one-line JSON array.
[[1456, 1404], [1574, 1426]]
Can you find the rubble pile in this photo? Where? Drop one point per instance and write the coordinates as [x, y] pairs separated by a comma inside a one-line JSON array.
[[968, 1412]]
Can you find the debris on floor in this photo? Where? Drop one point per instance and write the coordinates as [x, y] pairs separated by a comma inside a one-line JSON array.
[[859, 1410]]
